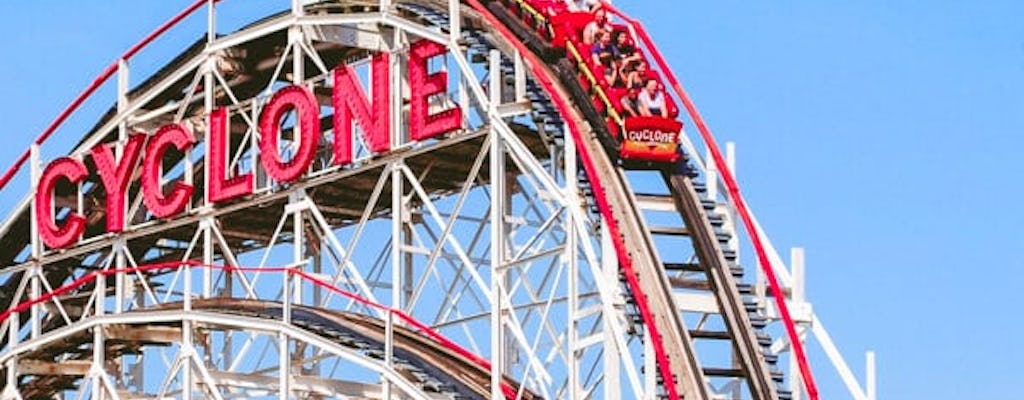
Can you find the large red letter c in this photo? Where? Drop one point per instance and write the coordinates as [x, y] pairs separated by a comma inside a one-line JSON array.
[[54, 236]]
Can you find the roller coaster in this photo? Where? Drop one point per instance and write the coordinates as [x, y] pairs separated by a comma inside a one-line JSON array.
[[396, 199]]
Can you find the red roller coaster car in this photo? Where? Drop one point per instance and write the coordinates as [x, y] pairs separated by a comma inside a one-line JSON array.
[[653, 138]]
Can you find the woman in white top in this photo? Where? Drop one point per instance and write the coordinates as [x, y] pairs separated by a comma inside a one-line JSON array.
[[652, 100]]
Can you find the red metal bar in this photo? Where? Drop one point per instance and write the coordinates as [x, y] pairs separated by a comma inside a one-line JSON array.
[[96, 83], [737, 198], [536, 66]]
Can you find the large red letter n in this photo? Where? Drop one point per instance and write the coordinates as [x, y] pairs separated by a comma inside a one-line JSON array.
[[349, 99]]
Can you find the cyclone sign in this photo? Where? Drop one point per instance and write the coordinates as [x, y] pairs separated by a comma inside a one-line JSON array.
[[651, 138], [350, 105], [652, 129]]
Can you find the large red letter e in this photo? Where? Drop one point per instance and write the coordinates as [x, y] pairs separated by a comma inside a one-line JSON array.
[[422, 124]]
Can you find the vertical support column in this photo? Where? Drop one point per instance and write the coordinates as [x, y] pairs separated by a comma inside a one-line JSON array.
[[293, 288], [397, 222], [610, 271], [399, 84], [36, 248], [407, 274], [122, 101], [120, 291], [796, 299], [494, 82], [870, 382], [258, 175], [208, 104], [497, 177], [98, 343], [571, 258], [711, 176], [399, 276], [284, 352], [207, 227], [297, 202], [211, 21], [520, 71], [454, 22], [187, 347], [284, 373], [796, 263], [120, 263], [389, 352], [13, 340], [295, 37]]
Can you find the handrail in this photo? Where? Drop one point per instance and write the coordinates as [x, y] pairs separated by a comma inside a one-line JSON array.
[[92, 276], [594, 83], [536, 14], [96, 83], [741, 206]]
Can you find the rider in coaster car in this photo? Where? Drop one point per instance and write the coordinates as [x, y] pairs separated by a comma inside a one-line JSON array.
[[652, 100], [631, 103], [604, 54], [636, 75], [583, 5], [627, 52], [591, 32]]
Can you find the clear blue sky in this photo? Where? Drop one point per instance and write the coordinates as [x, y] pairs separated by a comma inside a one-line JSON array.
[[882, 136]]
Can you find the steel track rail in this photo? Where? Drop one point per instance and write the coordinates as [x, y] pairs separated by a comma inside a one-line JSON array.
[[723, 285], [679, 369], [448, 371]]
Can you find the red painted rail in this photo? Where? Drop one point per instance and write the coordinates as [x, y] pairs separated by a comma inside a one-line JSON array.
[[737, 198], [102, 78]]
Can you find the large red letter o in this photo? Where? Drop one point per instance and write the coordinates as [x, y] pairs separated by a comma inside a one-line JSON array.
[[302, 100]]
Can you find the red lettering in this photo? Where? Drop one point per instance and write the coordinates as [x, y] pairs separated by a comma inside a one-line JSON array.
[[352, 106], [222, 188], [116, 175], [58, 237], [307, 132], [423, 125], [349, 99], [160, 204]]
